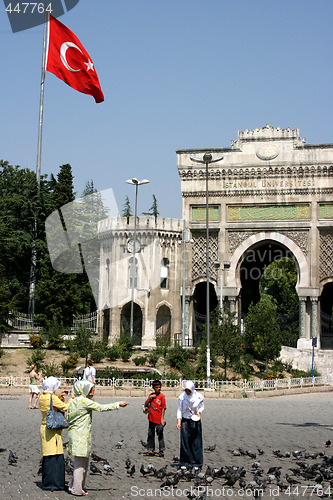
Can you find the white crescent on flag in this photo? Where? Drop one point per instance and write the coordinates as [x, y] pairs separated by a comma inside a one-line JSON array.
[[63, 50]]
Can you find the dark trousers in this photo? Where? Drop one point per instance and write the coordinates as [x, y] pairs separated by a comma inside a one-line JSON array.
[[191, 443], [53, 472], [151, 436]]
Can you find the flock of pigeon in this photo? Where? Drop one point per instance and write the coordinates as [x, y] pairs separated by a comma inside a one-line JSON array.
[[308, 474]]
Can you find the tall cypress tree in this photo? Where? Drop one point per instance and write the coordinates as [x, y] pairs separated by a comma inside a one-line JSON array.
[[60, 296]]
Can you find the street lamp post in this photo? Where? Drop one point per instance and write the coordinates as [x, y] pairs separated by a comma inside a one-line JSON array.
[[207, 159], [135, 182]]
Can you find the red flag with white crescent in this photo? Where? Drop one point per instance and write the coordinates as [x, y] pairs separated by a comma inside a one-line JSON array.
[[68, 60]]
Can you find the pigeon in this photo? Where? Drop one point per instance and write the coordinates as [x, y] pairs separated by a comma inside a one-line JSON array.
[[161, 473], [96, 458], [151, 468], [175, 459], [328, 443], [94, 469], [260, 451], [107, 468], [131, 471], [251, 454], [2, 450], [128, 463], [12, 458], [190, 495], [242, 482], [210, 448], [144, 471], [291, 480], [119, 444], [69, 465]]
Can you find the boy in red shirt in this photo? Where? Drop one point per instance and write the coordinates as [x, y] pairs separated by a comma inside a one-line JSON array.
[[157, 407]]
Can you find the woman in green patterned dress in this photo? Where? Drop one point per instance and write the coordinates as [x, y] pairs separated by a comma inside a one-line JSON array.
[[79, 415]]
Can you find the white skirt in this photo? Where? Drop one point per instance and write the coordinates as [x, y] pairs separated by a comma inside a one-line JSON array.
[[34, 389]]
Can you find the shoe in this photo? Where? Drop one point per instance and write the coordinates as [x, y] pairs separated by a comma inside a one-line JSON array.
[[159, 454], [150, 453]]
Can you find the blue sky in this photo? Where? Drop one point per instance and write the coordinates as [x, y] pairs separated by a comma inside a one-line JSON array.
[[176, 74]]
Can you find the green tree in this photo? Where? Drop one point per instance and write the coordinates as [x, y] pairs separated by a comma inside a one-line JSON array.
[[58, 295], [82, 342], [20, 206], [63, 187], [153, 209], [262, 329], [89, 188], [226, 339], [279, 281], [127, 210]]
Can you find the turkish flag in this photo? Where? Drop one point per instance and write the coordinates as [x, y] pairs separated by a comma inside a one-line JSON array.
[[68, 60]]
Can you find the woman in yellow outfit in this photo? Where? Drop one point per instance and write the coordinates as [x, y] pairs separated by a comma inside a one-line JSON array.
[[53, 465]]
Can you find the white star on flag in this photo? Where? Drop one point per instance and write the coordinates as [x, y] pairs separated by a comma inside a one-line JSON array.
[[89, 65]]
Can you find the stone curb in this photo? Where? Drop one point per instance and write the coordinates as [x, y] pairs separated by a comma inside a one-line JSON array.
[[174, 393]]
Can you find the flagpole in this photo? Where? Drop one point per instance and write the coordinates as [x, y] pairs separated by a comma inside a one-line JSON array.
[[41, 107], [32, 286]]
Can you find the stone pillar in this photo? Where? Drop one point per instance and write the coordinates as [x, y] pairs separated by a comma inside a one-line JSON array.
[[302, 308], [304, 341], [314, 317]]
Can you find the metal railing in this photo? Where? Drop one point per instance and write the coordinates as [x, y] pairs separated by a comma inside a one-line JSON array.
[[86, 320], [22, 322], [25, 322], [216, 385]]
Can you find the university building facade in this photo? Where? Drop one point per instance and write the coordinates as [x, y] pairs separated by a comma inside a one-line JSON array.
[[269, 196]]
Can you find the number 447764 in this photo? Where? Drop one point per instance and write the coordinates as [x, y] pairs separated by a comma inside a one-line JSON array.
[[29, 8]]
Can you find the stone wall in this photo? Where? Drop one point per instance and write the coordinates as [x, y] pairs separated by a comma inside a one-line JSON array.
[[301, 359]]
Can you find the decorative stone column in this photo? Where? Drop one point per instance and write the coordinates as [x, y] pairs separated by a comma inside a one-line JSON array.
[[304, 341], [302, 308], [314, 317]]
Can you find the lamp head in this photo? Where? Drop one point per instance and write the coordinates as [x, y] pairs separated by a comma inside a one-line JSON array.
[[207, 157]]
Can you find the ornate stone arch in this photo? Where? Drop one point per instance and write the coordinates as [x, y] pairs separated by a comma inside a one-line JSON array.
[[324, 282], [300, 259], [202, 279], [164, 303]]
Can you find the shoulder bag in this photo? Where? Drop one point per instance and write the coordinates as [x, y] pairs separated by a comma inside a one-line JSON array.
[[55, 419]]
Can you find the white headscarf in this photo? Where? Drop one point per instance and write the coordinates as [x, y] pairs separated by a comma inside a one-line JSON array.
[[51, 384], [194, 397], [82, 387]]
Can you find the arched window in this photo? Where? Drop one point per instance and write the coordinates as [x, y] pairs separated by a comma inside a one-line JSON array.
[[108, 274], [164, 273], [133, 272]]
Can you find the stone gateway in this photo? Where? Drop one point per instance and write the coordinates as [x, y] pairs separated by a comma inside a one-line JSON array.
[[270, 196]]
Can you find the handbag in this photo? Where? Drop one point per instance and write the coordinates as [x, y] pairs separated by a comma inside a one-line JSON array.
[[55, 419]]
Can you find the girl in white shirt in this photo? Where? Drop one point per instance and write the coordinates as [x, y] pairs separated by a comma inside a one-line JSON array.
[[190, 407]]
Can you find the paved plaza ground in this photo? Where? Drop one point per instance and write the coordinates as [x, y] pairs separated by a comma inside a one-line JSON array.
[[288, 423]]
